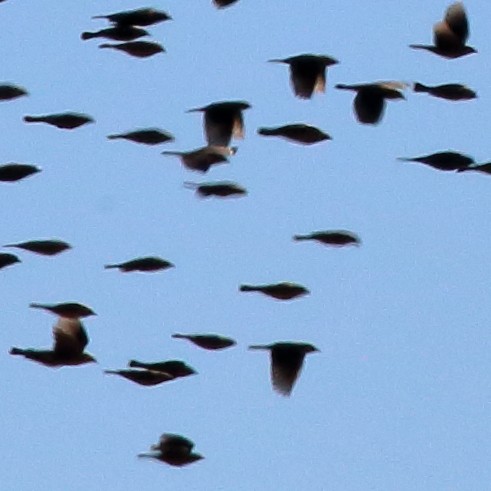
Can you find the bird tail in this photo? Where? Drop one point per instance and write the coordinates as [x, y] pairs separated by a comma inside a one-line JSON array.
[[179, 336], [37, 305], [344, 87], [301, 237], [111, 266], [146, 455], [88, 35], [420, 87], [33, 119], [106, 45], [113, 137], [248, 288], [136, 364], [172, 152], [406, 159], [276, 60], [258, 346], [267, 132], [111, 372], [191, 185], [16, 351]]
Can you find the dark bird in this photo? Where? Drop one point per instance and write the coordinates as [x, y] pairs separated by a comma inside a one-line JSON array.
[[280, 291], [221, 189], [207, 341], [223, 121], [15, 172], [143, 264], [297, 133], [118, 32], [69, 310], [9, 92], [176, 368], [147, 136], [7, 259], [43, 247], [307, 73], [70, 340], [450, 35], [450, 92], [369, 103], [65, 121], [337, 238], [147, 378], [286, 363], [447, 161], [223, 3], [201, 159], [483, 168], [138, 49], [174, 450], [137, 17]]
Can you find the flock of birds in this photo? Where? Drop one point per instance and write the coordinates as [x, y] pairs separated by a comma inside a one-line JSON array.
[[223, 122]]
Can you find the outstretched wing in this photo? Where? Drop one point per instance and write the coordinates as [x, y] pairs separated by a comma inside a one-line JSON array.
[[70, 337]]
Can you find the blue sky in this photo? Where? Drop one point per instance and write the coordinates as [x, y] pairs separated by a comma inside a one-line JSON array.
[[398, 398]]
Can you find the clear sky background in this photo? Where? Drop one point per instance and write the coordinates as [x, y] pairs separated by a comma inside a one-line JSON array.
[[399, 397]]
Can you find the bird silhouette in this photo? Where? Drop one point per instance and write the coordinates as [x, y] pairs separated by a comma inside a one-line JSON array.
[[176, 368], [222, 189], [118, 32], [143, 264], [137, 17], [9, 92], [7, 259], [337, 238], [43, 247], [446, 161], [450, 92], [174, 450], [202, 159], [147, 136], [223, 3], [15, 172], [65, 121], [286, 363], [482, 168], [298, 133], [211, 342], [69, 310], [281, 291], [137, 49], [147, 378]]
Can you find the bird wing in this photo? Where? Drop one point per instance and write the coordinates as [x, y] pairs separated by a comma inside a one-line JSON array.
[[171, 444], [219, 128], [305, 80], [369, 106], [286, 364], [445, 38], [456, 19], [70, 337], [238, 126]]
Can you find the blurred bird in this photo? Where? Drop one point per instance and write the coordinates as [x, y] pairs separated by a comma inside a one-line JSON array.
[[338, 238], [137, 17], [70, 340], [43, 247], [65, 121], [138, 49], [174, 450], [297, 133], [143, 264], [176, 368], [450, 35], [446, 161], [369, 103], [307, 73], [223, 121], [9, 92], [207, 341], [483, 168], [280, 291], [118, 32], [286, 363], [221, 189], [147, 378], [223, 3], [450, 92], [69, 310], [147, 136], [201, 159], [7, 259], [15, 172]]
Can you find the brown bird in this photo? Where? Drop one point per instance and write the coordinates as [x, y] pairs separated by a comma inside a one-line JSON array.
[[483, 168], [174, 450], [207, 341], [138, 49], [280, 291], [15, 172], [9, 92], [307, 73], [286, 363], [337, 238], [297, 133], [369, 103], [201, 159], [8, 259], [118, 32], [223, 3], [148, 378], [70, 340], [143, 264], [43, 247], [450, 92], [176, 368], [222, 189], [446, 161], [137, 17], [223, 121], [69, 310], [65, 121], [147, 136], [450, 35]]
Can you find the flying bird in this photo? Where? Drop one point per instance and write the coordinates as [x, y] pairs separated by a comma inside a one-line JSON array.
[[223, 3], [280, 291], [176, 368], [174, 450], [483, 168], [369, 103], [43, 247], [450, 35], [15, 172], [9, 92], [147, 136], [143, 264], [222, 189], [286, 363], [148, 378], [7, 259], [207, 341], [69, 310], [137, 17], [450, 92], [337, 238], [138, 49], [298, 133], [307, 73], [223, 121], [201, 159], [446, 161], [118, 32], [65, 121], [70, 340]]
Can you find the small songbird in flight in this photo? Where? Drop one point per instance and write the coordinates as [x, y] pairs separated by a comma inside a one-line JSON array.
[[222, 189], [15, 172], [337, 238], [65, 121], [137, 17], [298, 133], [450, 92], [7, 259], [69, 310], [176, 368], [211, 342], [148, 264], [147, 378], [281, 291], [147, 136], [174, 450], [201, 159], [138, 49], [43, 247], [446, 161]]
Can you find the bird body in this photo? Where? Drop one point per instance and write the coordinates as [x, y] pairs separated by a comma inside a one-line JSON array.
[[174, 450], [446, 161], [69, 310], [176, 368], [146, 378], [7, 259], [9, 92], [15, 172], [147, 136], [221, 189], [43, 247], [138, 49], [65, 121], [337, 238], [298, 133], [207, 341], [118, 32], [137, 17], [143, 264], [201, 159], [280, 291], [450, 92]]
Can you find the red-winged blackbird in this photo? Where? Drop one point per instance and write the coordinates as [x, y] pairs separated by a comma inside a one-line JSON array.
[[70, 310], [43, 247], [297, 133], [201, 159], [143, 264], [450, 92], [207, 341], [137, 17], [147, 378], [147, 136], [65, 121], [223, 189], [138, 49], [337, 238], [280, 291], [174, 450]]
